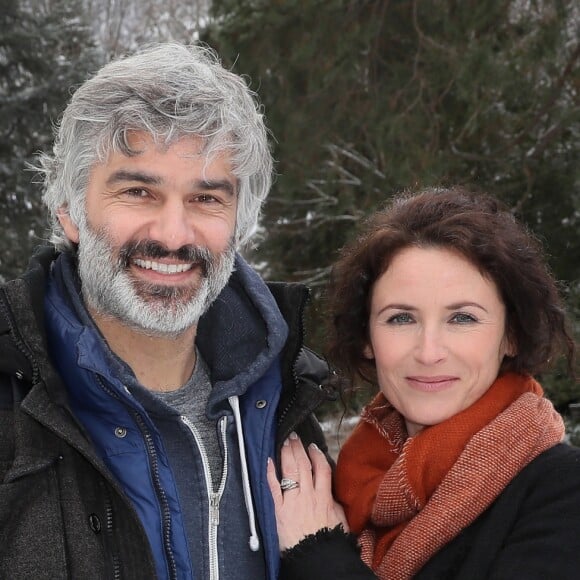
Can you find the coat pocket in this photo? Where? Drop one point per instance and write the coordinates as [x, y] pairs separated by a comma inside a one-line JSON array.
[[31, 526]]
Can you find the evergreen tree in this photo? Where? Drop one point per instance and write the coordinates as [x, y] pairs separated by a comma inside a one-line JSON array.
[[45, 49], [369, 97]]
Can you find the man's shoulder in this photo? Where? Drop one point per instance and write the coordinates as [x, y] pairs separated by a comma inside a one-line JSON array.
[[22, 315], [34, 275], [291, 297]]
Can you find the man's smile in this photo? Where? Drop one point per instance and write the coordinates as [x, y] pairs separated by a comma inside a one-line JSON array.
[[162, 267]]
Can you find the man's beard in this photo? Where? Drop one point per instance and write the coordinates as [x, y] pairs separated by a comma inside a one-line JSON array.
[[156, 309]]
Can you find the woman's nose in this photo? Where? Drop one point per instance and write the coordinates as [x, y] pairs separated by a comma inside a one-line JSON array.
[[430, 348]]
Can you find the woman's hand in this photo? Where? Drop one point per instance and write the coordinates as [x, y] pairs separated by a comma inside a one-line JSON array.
[[309, 507]]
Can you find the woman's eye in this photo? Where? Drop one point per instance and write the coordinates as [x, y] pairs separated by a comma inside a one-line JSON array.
[[401, 318], [463, 318]]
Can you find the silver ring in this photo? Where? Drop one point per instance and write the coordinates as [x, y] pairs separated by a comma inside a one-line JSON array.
[[287, 484]]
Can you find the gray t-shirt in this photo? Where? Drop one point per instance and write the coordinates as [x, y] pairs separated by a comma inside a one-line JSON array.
[[191, 401]]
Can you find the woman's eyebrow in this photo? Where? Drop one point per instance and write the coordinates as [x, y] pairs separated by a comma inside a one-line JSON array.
[[460, 305]]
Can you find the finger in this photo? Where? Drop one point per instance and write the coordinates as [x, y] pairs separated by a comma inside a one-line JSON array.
[[322, 473], [274, 484], [289, 467], [303, 463]]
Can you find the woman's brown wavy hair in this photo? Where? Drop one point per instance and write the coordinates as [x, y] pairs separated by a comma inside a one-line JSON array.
[[480, 228]]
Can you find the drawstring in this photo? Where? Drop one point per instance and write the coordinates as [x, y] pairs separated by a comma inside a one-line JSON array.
[[254, 540]]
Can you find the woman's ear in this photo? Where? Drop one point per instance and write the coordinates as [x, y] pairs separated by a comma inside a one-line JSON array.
[[512, 349], [510, 346], [70, 229], [368, 352]]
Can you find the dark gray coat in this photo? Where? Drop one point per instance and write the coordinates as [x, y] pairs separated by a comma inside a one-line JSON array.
[[62, 515]]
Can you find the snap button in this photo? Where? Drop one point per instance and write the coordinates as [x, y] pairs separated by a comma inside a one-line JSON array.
[[120, 432], [261, 404], [95, 523]]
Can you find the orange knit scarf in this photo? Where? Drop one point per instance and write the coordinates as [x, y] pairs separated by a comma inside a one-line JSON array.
[[409, 496]]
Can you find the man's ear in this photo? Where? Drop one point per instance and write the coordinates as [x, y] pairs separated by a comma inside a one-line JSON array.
[[70, 229]]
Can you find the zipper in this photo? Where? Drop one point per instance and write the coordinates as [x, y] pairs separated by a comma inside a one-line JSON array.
[[214, 497], [290, 404], [161, 495], [154, 468], [109, 530]]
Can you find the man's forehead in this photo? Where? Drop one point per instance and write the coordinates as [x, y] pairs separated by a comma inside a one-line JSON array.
[[139, 143], [189, 145], [139, 162]]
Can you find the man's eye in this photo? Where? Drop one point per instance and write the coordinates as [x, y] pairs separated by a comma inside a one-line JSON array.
[[462, 318], [401, 318], [136, 192], [207, 198]]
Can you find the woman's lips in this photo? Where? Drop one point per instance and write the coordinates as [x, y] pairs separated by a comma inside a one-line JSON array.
[[431, 384]]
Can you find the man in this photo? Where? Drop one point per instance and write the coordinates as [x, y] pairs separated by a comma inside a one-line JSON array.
[[146, 372]]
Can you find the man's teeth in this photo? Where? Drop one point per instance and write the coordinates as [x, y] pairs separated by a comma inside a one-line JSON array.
[[163, 268]]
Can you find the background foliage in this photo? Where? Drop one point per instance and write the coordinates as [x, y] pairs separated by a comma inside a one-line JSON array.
[[367, 98], [45, 50], [364, 97]]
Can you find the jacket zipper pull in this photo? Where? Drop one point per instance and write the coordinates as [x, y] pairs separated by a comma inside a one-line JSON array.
[[214, 508]]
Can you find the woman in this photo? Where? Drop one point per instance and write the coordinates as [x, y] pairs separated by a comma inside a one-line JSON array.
[[457, 468]]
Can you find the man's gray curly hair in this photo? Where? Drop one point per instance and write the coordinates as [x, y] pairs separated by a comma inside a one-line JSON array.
[[168, 90]]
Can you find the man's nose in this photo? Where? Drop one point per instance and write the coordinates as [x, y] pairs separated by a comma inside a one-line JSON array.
[[173, 226]]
